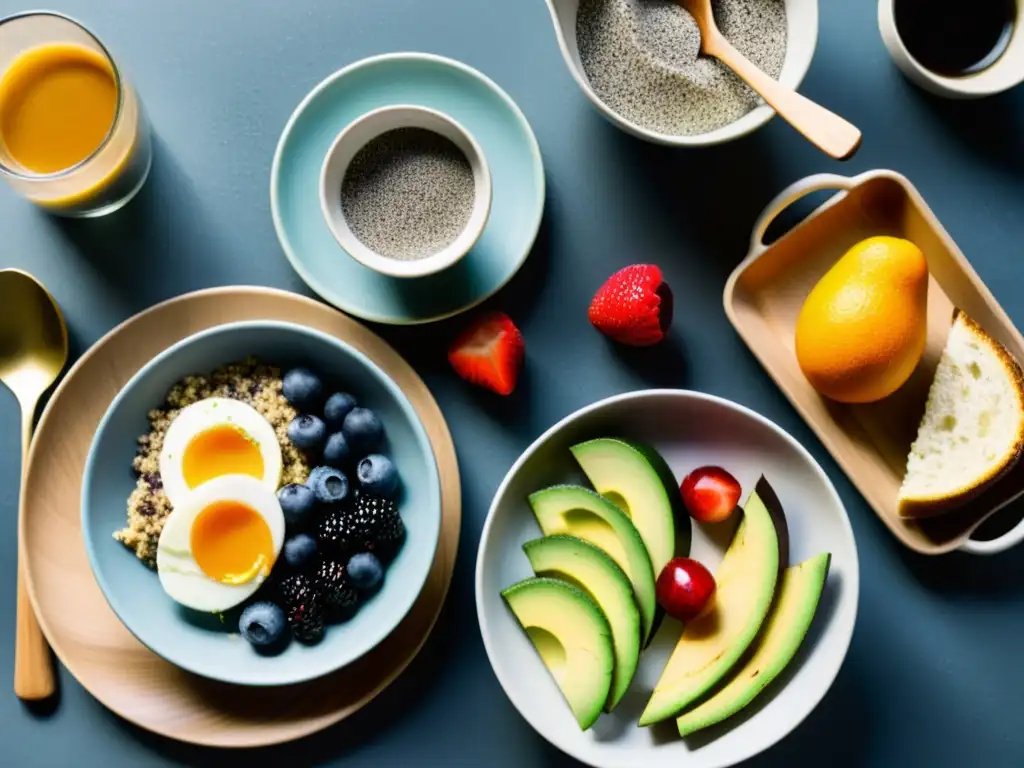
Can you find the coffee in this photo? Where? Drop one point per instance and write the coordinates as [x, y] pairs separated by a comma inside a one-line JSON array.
[[955, 38]]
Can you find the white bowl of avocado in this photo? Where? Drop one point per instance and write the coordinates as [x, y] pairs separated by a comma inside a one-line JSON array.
[[569, 601]]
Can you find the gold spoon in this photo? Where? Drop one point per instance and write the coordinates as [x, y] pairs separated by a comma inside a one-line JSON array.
[[33, 350], [828, 131]]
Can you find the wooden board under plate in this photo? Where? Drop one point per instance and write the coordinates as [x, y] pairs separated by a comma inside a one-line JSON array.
[[85, 633]]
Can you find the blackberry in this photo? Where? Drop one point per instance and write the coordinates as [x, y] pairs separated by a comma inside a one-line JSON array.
[[341, 532], [340, 595], [372, 524], [303, 607], [383, 526]]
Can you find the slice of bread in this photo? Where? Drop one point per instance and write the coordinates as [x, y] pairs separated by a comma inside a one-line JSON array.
[[972, 431]]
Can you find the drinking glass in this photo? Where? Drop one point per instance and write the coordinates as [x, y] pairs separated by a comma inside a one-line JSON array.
[[115, 171]]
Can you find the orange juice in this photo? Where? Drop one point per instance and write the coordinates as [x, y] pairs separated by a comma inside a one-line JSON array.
[[57, 105], [74, 138]]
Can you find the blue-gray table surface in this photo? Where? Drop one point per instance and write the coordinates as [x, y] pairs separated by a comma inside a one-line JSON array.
[[934, 675]]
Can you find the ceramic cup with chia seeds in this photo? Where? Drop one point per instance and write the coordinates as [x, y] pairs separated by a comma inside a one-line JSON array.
[[406, 190]]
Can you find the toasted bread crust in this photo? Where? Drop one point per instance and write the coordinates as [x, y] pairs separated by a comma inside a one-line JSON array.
[[928, 506]]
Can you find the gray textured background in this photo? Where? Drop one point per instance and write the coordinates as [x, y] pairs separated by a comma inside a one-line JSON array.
[[934, 676]]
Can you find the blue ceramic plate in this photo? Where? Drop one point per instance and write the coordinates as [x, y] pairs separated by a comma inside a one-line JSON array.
[[425, 80], [201, 643]]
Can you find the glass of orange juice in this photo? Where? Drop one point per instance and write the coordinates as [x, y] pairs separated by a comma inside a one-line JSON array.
[[73, 136]]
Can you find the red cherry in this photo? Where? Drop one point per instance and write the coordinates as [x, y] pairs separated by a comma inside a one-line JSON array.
[[710, 494], [684, 587]]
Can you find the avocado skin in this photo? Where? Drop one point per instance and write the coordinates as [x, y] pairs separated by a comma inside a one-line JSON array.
[[577, 612], [684, 526], [589, 567], [681, 525], [783, 635], [641, 573], [749, 583], [771, 502]]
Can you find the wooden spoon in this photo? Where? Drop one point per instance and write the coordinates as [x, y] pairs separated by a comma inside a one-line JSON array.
[[828, 131], [33, 350]]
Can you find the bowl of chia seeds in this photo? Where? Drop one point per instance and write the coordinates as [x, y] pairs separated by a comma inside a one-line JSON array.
[[406, 190], [638, 61]]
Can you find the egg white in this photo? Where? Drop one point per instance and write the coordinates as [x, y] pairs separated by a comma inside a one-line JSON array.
[[180, 575], [207, 414]]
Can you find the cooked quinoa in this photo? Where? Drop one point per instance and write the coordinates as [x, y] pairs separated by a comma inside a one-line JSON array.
[[250, 381]]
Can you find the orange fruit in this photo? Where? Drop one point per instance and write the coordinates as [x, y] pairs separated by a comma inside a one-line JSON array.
[[861, 331]]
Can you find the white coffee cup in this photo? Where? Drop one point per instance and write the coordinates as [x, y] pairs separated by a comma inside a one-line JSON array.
[[1005, 73]]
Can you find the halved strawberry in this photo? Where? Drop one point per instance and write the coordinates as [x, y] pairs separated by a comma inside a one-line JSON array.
[[489, 353], [634, 306], [710, 494]]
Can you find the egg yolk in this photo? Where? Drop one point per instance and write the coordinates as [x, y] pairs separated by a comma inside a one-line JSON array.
[[220, 450], [231, 542]]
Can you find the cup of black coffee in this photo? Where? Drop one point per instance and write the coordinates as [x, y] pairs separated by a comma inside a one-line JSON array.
[[959, 49]]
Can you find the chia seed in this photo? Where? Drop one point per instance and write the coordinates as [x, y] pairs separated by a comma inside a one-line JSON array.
[[408, 193], [641, 58]]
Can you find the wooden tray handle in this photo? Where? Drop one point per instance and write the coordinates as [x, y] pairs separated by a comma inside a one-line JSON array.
[[1011, 538], [790, 195]]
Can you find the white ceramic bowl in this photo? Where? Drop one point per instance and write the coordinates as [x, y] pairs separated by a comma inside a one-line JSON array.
[[1005, 73], [689, 429], [363, 130], [801, 40]]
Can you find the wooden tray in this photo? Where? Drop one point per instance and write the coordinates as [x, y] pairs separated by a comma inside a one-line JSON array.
[[85, 633], [870, 442]]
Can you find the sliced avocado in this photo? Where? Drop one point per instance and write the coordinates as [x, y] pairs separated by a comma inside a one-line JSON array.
[[783, 633], [590, 568], [580, 512], [573, 639], [745, 584], [639, 481]]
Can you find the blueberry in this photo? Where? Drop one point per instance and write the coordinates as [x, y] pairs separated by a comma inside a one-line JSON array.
[[297, 504], [314, 475], [362, 430], [329, 485], [302, 388], [299, 551], [336, 451], [337, 408], [262, 624], [377, 475], [365, 571], [307, 432]]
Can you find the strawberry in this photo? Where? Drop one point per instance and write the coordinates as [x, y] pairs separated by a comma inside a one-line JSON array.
[[634, 306], [489, 353]]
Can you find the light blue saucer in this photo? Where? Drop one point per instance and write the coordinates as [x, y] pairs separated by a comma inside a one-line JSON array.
[[426, 80]]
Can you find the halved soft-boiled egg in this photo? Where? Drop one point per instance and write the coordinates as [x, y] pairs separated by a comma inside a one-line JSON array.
[[220, 542], [218, 436]]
